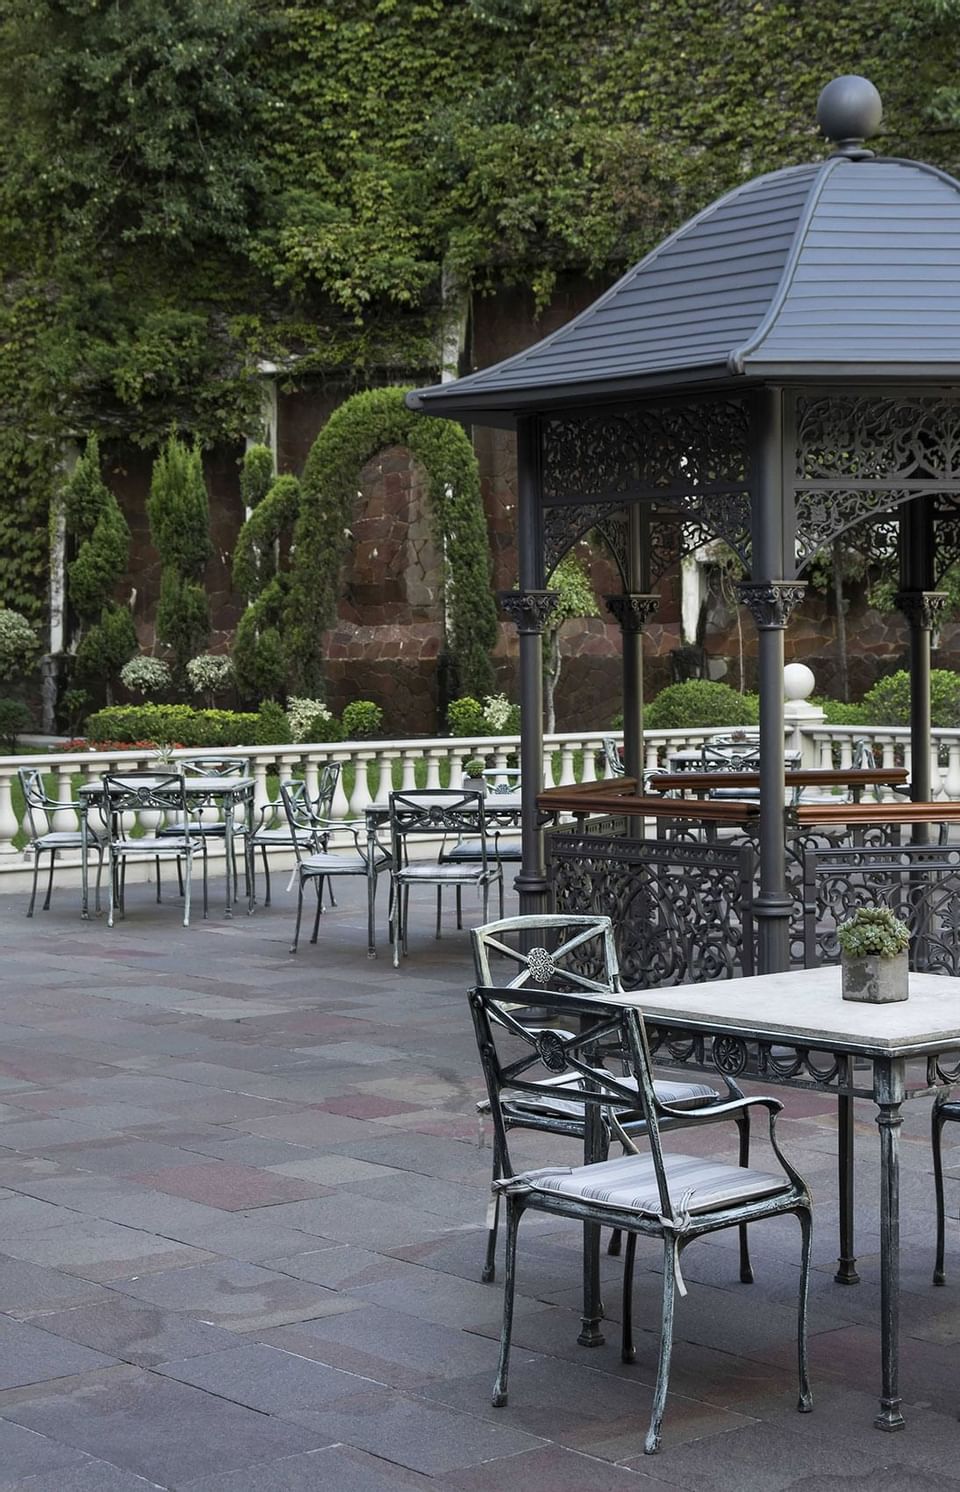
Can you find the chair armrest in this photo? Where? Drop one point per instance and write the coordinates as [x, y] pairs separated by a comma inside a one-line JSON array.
[[772, 1105]]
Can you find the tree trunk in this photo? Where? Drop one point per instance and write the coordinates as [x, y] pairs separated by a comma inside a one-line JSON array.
[[551, 674]]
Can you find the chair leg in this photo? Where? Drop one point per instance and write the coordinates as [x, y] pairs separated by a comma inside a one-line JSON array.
[[805, 1401], [96, 900], [46, 899], [112, 888], [266, 874], [439, 908], [158, 879], [670, 1255], [187, 878], [937, 1121], [613, 1247], [316, 918], [203, 846], [500, 892], [36, 872], [179, 876], [514, 1213], [627, 1350], [743, 1125], [296, 933], [405, 921], [489, 1269]]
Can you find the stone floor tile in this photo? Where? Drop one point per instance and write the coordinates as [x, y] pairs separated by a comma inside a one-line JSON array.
[[227, 1185], [137, 1333], [425, 1437], [27, 1289], [243, 1297], [560, 1470], [388, 1346], [87, 1474], [28, 1355], [102, 1251], [162, 1430], [266, 1378], [340, 1468], [25, 1453], [346, 1217]]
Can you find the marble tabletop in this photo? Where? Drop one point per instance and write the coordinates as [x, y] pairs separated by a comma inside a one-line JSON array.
[[806, 1005]]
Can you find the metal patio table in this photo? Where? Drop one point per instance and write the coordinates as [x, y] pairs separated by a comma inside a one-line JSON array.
[[233, 792], [794, 1029]]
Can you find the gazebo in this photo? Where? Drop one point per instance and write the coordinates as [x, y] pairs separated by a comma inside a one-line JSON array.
[[782, 368]]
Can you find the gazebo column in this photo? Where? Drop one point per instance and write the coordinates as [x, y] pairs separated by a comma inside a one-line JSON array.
[[922, 606], [631, 611], [530, 608], [770, 599]]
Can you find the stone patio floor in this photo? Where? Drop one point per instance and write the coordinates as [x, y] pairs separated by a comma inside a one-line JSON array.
[[241, 1226]]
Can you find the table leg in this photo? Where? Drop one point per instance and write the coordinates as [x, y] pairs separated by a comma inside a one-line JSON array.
[[847, 1263], [228, 851], [889, 1094], [84, 849], [371, 897], [590, 1333]]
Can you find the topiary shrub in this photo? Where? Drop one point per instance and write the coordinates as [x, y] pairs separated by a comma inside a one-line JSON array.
[[19, 643], [888, 702], [272, 727], [107, 646], [361, 720], [840, 711], [258, 652], [256, 475], [14, 718], [210, 674], [100, 539], [179, 516], [698, 702], [465, 717], [146, 675]]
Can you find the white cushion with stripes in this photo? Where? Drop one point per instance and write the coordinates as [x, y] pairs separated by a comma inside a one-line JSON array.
[[694, 1184]]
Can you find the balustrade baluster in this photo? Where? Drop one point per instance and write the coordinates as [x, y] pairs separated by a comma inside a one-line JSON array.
[[262, 803], [65, 819], [951, 782], [340, 807], [588, 772], [458, 756], [9, 825], [567, 772], [433, 769], [385, 776], [360, 797], [408, 781]]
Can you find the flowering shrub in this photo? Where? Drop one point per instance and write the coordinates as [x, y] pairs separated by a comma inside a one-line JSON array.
[[19, 643], [499, 716], [304, 716], [362, 719], [209, 673], [145, 675]]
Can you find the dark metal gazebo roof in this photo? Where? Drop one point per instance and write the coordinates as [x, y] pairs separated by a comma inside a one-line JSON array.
[[838, 268]]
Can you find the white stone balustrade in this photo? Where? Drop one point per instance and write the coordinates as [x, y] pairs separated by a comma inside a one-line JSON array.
[[371, 769]]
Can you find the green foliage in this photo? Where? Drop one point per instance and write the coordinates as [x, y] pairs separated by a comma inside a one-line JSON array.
[[167, 724], [888, 702], [98, 535], [256, 475], [361, 720], [465, 717], [105, 647], [355, 431], [272, 728], [15, 717], [258, 653], [146, 675], [258, 659], [700, 702], [19, 643], [840, 712], [179, 526], [873, 930]]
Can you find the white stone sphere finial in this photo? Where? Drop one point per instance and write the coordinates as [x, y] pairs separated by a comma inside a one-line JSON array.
[[798, 681]]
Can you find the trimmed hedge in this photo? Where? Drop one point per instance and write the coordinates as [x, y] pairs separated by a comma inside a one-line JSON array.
[[888, 702], [698, 702], [179, 724]]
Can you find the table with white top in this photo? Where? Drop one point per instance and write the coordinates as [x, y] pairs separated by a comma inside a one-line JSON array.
[[234, 794], [795, 1029]]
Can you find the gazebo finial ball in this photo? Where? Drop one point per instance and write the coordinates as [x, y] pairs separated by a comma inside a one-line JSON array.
[[798, 681], [849, 108]]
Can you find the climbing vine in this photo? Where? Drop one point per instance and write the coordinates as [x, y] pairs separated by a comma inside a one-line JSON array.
[[293, 600]]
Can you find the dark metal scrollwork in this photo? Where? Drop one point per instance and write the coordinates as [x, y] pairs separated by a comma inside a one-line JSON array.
[[551, 1051], [730, 1055]]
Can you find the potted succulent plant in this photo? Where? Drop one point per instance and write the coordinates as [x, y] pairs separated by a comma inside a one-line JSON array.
[[873, 947], [473, 771]]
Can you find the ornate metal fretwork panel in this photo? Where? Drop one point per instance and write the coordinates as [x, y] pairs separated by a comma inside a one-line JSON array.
[[692, 458], [565, 526], [920, 884], [680, 911], [858, 456]]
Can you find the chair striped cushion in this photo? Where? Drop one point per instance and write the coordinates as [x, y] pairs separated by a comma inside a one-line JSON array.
[[676, 1095], [694, 1184]]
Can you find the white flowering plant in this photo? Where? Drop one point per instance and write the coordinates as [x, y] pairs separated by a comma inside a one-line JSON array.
[[19, 643], [304, 716], [145, 675], [210, 673], [500, 716]]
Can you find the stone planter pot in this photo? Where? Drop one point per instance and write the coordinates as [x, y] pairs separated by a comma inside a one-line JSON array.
[[875, 980]]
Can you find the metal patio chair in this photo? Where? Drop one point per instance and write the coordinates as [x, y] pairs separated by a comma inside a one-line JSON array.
[[612, 757], [452, 813], [212, 764], [312, 808], [649, 1192], [154, 792], [576, 954], [45, 840], [368, 858]]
